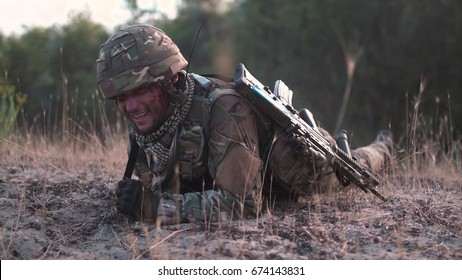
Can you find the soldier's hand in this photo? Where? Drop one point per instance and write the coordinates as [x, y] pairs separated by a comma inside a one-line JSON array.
[[129, 194]]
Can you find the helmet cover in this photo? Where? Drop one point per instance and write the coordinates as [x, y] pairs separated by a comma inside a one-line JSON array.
[[136, 56]]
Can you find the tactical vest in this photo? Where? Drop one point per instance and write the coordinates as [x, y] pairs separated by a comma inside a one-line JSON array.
[[194, 132], [193, 137]]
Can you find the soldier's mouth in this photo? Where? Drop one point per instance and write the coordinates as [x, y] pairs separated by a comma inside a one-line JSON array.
[[139, 115]]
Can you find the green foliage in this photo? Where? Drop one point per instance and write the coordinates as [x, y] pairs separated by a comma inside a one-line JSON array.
[[10, 105], [29, 66]]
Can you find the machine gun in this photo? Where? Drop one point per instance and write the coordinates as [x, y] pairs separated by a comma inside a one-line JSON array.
[[278, 107]]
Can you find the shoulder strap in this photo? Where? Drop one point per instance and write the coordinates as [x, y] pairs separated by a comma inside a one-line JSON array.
[[131, 157]]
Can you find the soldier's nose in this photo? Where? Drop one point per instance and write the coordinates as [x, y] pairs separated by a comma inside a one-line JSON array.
[[130, 103]]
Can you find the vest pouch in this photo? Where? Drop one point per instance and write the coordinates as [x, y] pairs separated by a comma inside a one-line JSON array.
[[191, 142]]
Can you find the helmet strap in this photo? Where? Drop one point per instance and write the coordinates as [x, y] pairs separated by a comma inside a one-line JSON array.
[[178, 95]]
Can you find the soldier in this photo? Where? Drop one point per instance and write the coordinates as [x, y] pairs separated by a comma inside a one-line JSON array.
[[205, 153]]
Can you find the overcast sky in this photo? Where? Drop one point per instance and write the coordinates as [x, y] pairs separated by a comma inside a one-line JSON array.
[[17, 14]]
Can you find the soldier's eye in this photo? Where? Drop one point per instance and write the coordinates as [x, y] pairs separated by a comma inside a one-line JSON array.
[[120, 98]]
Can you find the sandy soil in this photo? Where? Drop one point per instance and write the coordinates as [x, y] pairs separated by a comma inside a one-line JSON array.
[[49, 213]]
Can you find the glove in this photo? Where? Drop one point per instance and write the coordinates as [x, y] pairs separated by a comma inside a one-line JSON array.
[[129, 194]]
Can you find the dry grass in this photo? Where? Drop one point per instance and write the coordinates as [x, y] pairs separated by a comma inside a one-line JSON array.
[[57, 202]]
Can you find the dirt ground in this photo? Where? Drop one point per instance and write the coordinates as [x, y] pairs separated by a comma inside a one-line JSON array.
[[49, 213]]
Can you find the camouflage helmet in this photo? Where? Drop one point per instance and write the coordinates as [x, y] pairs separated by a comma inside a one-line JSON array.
[[136, 56]]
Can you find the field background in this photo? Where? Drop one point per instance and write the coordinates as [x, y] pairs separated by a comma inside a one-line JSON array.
[[361, 65]]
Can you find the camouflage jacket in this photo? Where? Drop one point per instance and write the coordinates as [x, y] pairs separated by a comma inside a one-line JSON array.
[[228, 155], [217, 167]]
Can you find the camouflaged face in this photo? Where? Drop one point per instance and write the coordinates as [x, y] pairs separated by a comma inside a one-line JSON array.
[[134, 57]]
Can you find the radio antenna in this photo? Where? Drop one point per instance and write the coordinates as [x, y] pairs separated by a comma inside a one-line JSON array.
[[194, 45]]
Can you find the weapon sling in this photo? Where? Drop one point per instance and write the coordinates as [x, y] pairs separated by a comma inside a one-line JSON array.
[[131, 159]]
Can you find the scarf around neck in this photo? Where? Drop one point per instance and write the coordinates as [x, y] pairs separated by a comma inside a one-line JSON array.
[[159, 143]]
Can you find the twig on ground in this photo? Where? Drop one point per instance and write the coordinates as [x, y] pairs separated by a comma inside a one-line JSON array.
[[160, 242], [59, 239]]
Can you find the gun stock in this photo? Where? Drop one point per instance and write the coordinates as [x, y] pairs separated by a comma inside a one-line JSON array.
[[289, 119]]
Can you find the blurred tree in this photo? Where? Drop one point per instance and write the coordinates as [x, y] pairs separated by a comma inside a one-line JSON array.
[[50, 64], [206, 19], [305, 43], [295, 43], [80, 41], [144, 15], [27, 65], [301, 43]]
